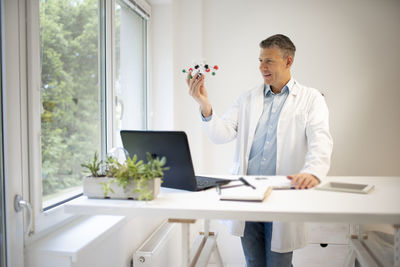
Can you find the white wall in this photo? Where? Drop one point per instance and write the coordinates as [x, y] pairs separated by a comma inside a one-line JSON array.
[[161, 101], [346, 49]]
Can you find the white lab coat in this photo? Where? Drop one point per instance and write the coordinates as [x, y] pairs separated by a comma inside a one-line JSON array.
[[304, 145]]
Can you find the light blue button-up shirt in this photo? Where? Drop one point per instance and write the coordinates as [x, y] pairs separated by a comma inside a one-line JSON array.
[[262, 159]]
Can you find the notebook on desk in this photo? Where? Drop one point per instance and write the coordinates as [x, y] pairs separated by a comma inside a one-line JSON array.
[[258, 188], [175, 147], [237, 191]]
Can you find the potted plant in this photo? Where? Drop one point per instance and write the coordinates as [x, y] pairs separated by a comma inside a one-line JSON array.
[[131, 179]]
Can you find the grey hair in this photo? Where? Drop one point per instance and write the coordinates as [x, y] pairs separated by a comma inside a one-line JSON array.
[[282, 42]]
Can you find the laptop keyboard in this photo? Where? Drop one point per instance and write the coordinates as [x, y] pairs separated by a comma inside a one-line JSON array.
[[204, 182]]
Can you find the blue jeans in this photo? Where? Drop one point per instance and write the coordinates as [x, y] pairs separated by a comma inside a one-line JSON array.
[[256, 244]]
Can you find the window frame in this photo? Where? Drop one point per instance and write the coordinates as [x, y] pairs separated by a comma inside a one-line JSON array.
[[116, 140], [44, 221], [143, 9]]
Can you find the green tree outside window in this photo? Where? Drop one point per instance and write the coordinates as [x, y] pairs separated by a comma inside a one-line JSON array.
[[70, 120]]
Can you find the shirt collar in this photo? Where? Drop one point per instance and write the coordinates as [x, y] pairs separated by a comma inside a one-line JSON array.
[[288, 87]]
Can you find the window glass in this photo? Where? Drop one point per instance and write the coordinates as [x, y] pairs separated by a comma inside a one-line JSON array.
[[70, 94], [130, 69]]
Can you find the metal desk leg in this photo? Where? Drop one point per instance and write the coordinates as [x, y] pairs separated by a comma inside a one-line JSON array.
[[351, 258], [207, 248], [218, 257], [397, 245], [185, 224], [185, 245], [203, 247]]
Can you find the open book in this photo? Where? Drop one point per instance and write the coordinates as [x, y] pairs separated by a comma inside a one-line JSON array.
[[261, 187]]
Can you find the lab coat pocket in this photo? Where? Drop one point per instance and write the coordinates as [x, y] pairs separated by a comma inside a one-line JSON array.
[[300, 117], [300, 120]]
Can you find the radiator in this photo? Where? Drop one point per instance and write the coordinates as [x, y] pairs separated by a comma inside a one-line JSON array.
[[162, 248]]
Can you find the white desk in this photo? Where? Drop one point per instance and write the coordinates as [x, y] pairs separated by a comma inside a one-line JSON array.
[[380, 206]]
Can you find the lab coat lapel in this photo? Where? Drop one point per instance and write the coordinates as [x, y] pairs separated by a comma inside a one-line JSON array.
[[286, 113], [289, 103], [256, 106]]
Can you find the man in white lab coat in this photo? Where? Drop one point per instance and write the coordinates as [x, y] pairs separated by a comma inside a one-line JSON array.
[[281, 128]]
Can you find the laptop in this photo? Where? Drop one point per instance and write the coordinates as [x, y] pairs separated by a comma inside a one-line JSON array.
[[175, 147]]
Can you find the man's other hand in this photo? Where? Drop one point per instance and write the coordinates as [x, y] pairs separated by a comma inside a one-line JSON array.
[[303, 180]]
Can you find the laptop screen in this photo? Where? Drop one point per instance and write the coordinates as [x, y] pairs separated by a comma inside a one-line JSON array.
[[170, 144]]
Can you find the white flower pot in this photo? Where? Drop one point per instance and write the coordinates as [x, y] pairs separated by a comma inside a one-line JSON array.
[[93, 187]]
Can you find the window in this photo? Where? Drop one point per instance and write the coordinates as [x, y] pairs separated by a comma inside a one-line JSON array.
[[90, 59], [130, 69], [71, 94]]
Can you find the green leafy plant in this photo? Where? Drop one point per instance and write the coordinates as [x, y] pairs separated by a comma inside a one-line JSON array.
[[94, 166], [132, 170]]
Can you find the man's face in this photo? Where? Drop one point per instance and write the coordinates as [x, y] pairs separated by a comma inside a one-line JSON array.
[[274, 68]]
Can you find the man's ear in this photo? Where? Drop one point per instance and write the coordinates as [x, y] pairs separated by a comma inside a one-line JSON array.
[[289, 61]]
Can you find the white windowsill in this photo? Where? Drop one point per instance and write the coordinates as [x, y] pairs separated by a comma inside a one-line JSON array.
[[72, 238]]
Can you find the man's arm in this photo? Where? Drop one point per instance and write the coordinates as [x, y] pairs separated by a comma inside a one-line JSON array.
[[218, 130]]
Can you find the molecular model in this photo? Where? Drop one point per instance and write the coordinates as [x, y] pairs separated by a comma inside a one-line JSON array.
[[201, 68]]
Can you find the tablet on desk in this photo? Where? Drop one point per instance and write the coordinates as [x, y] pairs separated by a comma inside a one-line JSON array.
[[346, 187]]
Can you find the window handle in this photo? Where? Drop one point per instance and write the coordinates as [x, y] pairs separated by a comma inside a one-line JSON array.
[[119, 101], [19, 203]]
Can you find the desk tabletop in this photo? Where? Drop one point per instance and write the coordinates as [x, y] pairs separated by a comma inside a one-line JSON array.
[[382, 205]]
